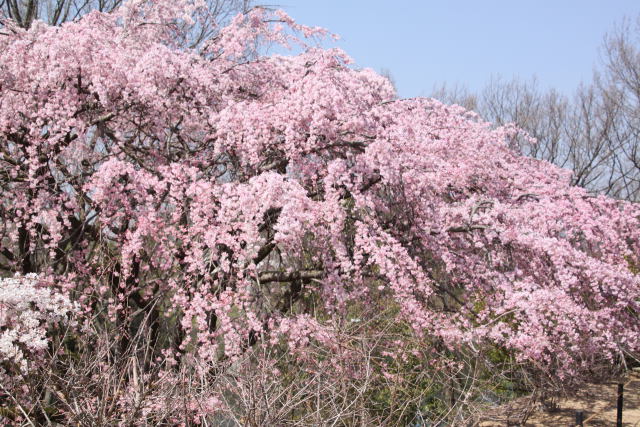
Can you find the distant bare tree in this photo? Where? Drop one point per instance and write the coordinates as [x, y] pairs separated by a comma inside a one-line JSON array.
[[620, 88], [594, 132]]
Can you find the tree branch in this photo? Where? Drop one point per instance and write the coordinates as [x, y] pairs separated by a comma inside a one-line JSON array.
[[281, 276]]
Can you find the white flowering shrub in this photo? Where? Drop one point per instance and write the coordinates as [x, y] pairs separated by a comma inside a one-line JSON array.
[[26, 312]]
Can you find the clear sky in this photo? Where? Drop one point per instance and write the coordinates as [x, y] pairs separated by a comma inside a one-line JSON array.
[[428, 42]]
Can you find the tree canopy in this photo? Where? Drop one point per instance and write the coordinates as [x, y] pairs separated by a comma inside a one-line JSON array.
[[203, 204]]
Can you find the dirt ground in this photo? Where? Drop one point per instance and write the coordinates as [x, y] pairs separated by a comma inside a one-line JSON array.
[[597, 401]]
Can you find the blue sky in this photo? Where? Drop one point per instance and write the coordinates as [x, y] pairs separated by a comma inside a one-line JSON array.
[[424, 43]]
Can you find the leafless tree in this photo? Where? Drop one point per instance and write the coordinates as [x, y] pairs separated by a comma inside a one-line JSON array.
[[620, 88], [594, 132]]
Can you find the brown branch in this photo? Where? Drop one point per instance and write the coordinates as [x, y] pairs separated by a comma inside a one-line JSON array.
[[264, 252], [280, 276], [376, 178], [7, 254], [460, 229]]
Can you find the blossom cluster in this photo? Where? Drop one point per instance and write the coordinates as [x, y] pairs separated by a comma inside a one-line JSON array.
[[27, 309]]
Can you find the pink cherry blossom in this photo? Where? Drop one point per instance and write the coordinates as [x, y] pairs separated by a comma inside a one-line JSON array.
[[233, 199]]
